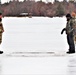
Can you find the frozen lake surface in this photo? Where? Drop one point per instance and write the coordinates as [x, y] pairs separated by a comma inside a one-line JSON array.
[[29, 43], [53, 65]]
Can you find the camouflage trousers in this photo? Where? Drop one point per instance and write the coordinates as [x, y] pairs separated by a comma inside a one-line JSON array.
[[0, 38]]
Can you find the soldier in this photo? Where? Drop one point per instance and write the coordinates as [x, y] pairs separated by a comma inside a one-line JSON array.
[[69, 32], [74, 22], [1, 31]]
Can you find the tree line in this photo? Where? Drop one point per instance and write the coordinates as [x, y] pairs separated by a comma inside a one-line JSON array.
[[15, 8]]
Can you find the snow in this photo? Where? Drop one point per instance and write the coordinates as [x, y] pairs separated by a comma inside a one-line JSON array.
[[38, 65], [28, 44], [35, 66], [36, 34]]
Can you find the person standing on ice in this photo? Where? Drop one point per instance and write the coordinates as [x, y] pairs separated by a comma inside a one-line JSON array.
[[1, 31], [74, 22], [70, 34]]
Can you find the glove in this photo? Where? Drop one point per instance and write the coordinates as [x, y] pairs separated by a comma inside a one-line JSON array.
[[63, 30]]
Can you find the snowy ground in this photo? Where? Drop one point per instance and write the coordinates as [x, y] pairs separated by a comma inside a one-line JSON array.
[[29, 43], [37, 34], [53, 65]]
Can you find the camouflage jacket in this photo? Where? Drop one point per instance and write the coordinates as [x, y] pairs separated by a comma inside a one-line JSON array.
[[70, 26], [1, 27], [74, 25]]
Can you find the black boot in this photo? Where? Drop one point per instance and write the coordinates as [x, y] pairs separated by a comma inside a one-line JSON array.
[[1, 52], [69, 52]]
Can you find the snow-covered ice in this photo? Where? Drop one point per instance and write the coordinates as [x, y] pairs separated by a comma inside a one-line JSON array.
[[58, 65], [28, 44]]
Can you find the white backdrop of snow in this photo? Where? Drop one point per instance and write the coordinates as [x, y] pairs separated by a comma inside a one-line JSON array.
[[36, 34]]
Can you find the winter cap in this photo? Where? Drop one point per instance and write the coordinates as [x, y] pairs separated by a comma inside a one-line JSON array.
[[68, 15]]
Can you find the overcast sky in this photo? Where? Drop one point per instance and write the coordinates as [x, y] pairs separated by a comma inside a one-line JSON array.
[[3, 1]]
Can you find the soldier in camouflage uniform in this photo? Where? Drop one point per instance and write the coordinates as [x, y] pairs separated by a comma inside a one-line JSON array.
[[1, 31], [74, 22], [70, 33]]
